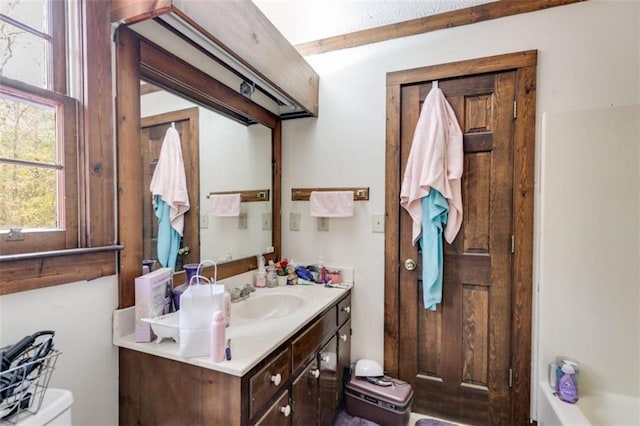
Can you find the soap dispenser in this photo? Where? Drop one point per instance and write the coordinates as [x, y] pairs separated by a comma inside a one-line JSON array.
[[567, 388]]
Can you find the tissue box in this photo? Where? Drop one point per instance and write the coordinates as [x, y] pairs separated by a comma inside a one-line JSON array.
[[153, 298]]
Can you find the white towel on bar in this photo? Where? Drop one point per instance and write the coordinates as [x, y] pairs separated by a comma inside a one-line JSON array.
[[224, 204], [331, 203]]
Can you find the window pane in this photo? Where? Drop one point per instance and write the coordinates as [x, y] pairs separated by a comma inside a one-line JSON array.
[[23, 56], [28, 193], [28, 197], [30, 12], [27, 131]]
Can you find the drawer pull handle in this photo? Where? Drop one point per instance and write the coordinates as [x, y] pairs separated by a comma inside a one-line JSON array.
[[276, 379], [315, 373], [325, 358], [286, 410], [347, 309], [344, 337]]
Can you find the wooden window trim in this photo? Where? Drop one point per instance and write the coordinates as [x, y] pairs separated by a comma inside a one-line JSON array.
[[95, 254]]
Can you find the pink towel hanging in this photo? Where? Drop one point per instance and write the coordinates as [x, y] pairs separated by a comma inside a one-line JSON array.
[[225, 205], [331, 203]]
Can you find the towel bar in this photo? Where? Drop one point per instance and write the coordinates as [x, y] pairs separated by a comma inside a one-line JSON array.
[[303, 194]]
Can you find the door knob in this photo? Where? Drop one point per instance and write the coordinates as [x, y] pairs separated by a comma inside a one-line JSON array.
[[410, 264]]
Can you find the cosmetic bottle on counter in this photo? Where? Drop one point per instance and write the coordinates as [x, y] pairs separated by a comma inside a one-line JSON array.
[[261, 275], [272, 275], [218, 338], [226, 299]]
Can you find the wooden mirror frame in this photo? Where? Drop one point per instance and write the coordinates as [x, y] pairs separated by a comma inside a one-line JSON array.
[[137, 59]]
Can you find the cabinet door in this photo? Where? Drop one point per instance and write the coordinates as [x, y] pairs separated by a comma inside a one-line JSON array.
[[328, 384], [304, 395], [344, 357], [279, 414]]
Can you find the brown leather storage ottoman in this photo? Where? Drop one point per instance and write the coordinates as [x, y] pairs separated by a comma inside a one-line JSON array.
[[385, 405]]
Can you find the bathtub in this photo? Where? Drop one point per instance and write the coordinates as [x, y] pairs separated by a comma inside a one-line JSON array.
[[591, 409]]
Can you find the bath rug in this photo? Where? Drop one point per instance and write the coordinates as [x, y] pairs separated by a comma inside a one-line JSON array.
[[433, 422], [345, 419]]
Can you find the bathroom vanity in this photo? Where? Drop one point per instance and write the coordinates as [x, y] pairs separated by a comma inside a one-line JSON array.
[[286, 370]]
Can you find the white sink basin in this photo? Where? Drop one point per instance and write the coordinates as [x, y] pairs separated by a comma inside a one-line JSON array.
[[270, 305]]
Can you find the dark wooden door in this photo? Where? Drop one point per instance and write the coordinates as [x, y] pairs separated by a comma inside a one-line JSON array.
[[152, 135], [458, 357]]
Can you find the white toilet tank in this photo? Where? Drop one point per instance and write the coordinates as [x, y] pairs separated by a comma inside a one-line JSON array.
[[54, 411]]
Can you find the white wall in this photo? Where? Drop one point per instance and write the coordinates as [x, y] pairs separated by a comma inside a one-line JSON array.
[[589, 295], [80, 314], [588, 59]]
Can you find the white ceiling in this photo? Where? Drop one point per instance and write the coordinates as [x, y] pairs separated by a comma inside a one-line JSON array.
[[308, 20]]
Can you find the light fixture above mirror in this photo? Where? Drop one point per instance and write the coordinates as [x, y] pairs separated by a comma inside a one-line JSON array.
[[239, 38]]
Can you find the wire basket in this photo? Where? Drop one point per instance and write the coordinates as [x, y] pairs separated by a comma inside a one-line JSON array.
[[24, 381]]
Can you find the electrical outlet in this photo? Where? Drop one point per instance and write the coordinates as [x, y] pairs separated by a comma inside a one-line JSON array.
[[204, 221], [323, 224], [266, 221], [242, 221], [377, 223], [294, 221]]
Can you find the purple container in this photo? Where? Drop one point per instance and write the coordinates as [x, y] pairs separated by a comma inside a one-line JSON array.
[[190, 269]]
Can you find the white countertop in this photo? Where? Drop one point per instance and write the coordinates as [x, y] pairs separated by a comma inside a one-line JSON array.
[[251, 339]]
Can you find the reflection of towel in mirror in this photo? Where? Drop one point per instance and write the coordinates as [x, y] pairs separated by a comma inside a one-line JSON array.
[[331, 203], [435, 161], [225, 205], [169, 185]]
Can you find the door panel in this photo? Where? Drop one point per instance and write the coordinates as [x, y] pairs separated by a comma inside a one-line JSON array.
[[458, 356]]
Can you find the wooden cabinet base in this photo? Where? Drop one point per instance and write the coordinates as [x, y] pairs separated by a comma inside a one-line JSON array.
[[159, 391]]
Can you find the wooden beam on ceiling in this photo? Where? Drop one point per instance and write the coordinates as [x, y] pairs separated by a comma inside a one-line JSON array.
[[455, 18]]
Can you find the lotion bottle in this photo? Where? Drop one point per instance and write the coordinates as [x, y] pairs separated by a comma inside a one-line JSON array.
[[218, 337], [261, 275]]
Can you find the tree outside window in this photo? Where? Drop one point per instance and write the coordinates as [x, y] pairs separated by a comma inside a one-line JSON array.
[[38, 129]]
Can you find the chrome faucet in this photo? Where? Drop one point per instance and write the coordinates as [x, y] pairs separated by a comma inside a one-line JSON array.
[[238, 294]]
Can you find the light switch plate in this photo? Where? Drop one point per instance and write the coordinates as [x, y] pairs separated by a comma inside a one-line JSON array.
[[204, 221], [323, 224], [242, 221], [266, 221], [377, 223], [294, 221]]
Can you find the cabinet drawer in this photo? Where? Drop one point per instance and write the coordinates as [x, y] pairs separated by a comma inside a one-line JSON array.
[[279, 414], [306, 344], [344, 310], [269, 380]]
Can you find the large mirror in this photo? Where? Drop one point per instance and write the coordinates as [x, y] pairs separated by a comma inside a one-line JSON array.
[[231, 158], [242, 153]]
